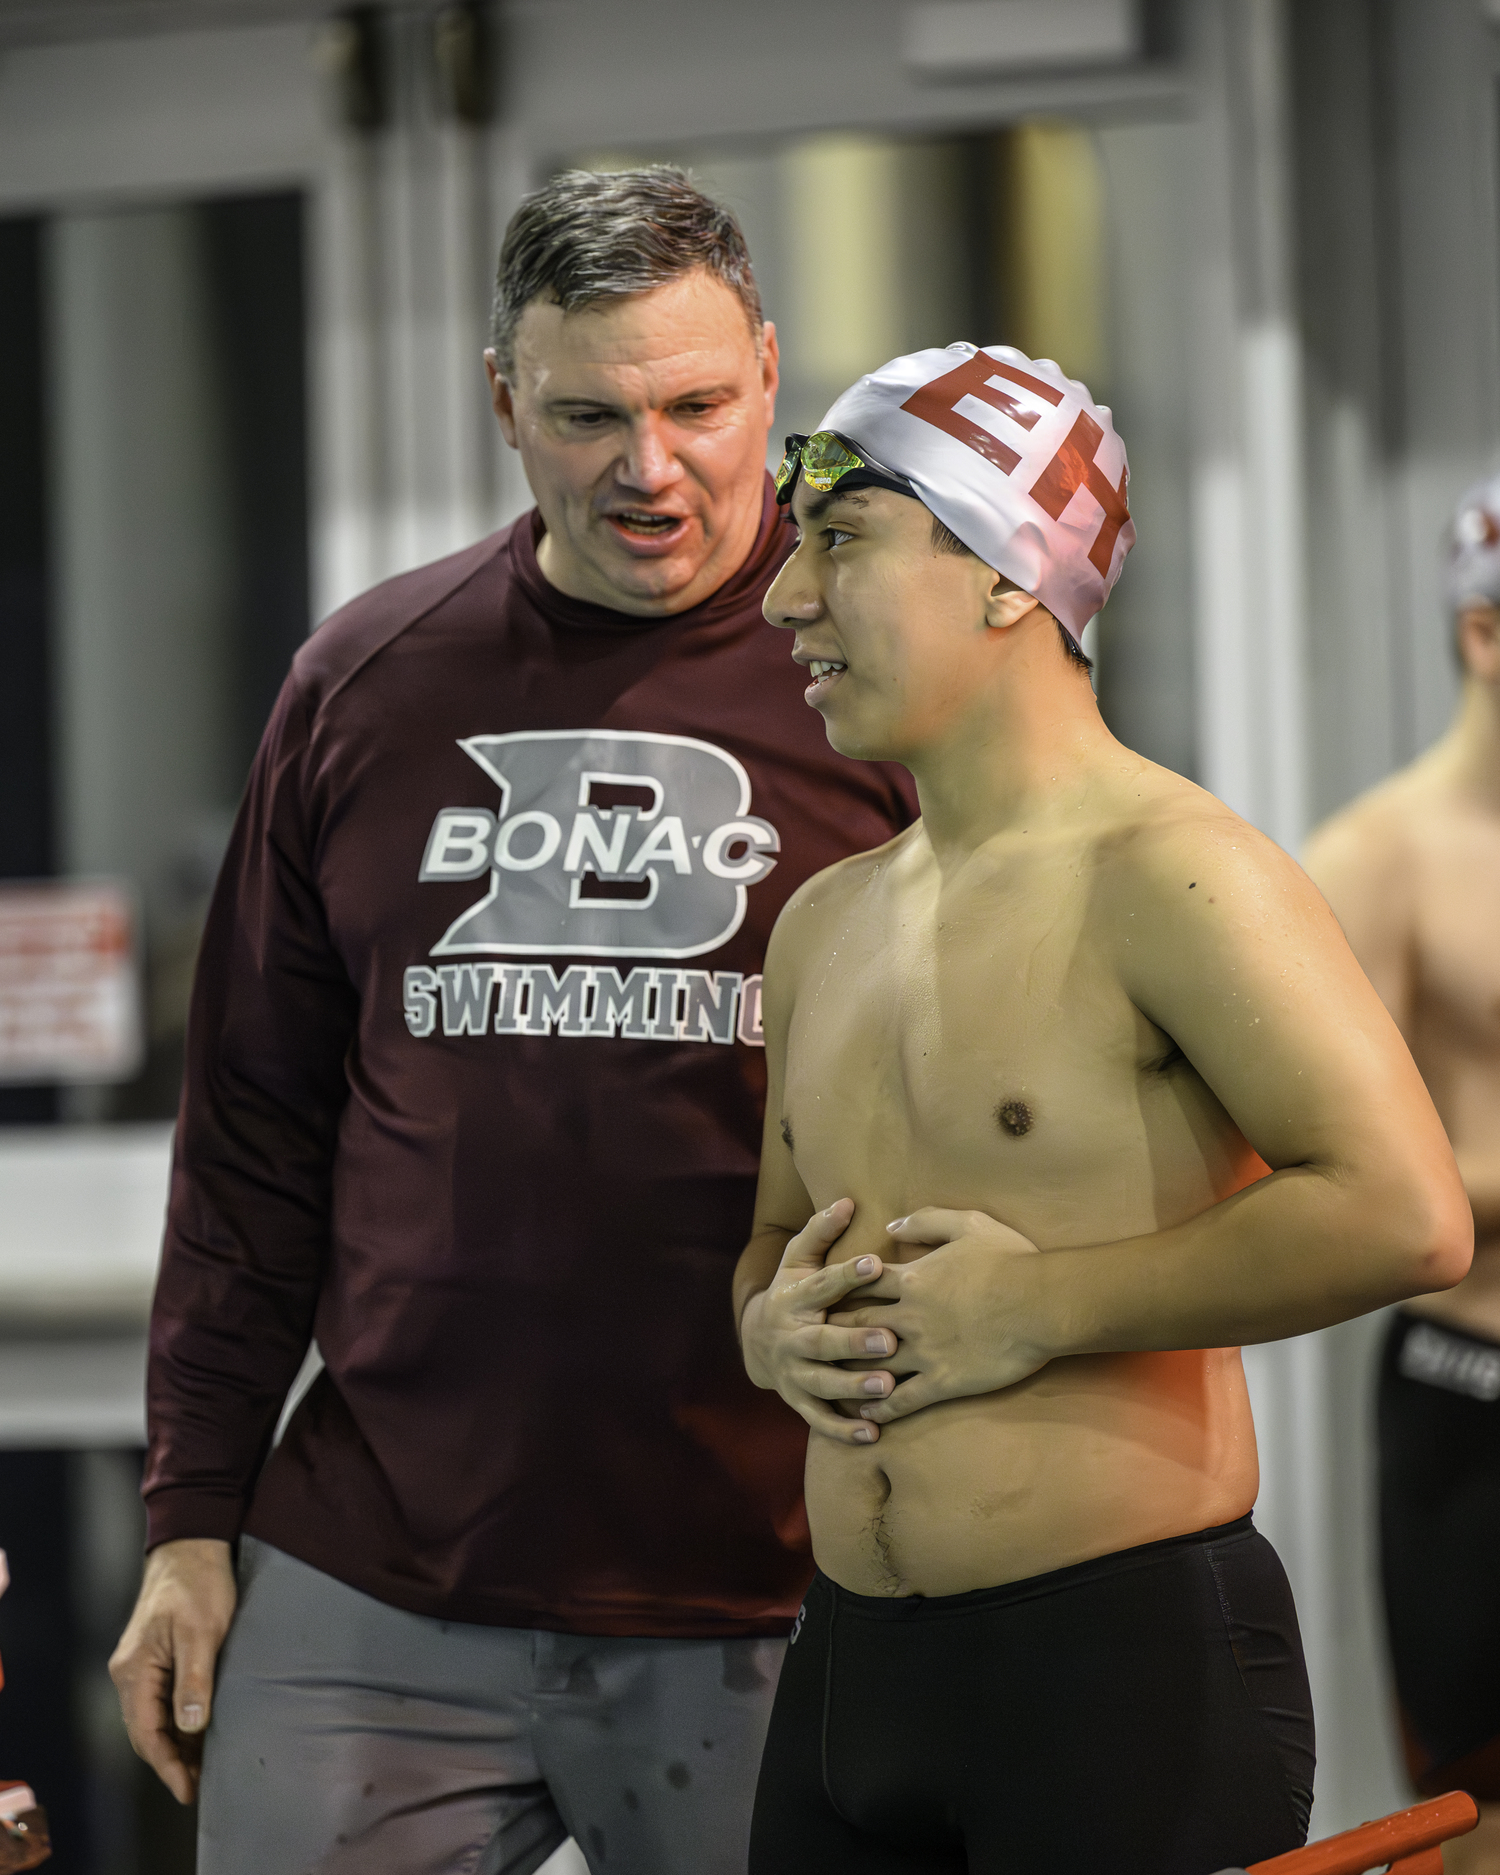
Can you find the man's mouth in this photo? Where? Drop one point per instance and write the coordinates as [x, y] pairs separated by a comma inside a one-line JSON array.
[[643, 524]]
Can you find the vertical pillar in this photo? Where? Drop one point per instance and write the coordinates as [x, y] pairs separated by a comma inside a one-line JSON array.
[[347, 431], [1249, 495], [143, 549], [407, 466], [507, 175], [1437, 132], [1349, 297], [411, 285], [467, 268]]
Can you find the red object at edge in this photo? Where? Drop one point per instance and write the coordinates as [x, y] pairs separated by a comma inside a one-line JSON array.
[[1398, 1840]]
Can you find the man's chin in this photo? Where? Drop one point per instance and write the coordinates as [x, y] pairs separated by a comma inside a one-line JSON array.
[[650, 579]]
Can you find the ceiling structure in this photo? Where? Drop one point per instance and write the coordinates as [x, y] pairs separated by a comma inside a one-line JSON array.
[[40, 22]]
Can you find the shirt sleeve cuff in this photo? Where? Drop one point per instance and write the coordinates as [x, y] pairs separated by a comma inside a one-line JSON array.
[[172, 1515]]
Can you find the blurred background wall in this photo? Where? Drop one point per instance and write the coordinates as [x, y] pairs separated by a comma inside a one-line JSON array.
[[245, 248]]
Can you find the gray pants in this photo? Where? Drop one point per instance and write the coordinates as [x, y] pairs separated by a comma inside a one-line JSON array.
[[350, 1738]]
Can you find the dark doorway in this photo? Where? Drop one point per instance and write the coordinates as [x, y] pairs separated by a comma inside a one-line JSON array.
[[70, 1519]]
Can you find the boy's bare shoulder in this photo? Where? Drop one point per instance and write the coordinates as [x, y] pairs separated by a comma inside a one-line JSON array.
[[1173, 844], [1192, 905], [831, 890], [831, 894]]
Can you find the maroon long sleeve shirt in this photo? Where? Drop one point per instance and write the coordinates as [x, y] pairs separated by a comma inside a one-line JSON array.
[[474, 1093]]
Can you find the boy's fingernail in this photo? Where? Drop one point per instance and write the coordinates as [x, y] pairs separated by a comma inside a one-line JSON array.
[[875, 1344], [896, 1223], [864, 1266], [875, 1384], [864, 1435], [191, 1719]]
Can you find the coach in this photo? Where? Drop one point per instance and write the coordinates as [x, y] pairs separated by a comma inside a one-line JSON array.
[[474, 1099]]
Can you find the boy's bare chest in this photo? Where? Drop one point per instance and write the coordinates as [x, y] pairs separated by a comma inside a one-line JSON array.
[[1458, 961], [977, 1036]]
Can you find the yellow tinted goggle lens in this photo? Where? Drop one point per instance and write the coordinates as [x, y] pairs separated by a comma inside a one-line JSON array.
[[825, 460]]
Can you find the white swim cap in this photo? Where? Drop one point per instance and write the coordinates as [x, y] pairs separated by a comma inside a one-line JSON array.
[[1474, 546], [1017, 460]]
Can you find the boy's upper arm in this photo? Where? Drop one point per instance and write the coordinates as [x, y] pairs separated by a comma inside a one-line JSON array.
[[1224, 943], [1358, 863], [781, 1200]]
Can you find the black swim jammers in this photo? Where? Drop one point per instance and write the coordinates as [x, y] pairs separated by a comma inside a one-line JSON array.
[[1146, 1713], [1439, 1437]]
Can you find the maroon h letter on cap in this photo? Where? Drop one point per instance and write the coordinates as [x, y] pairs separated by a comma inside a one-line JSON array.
[[1074, 467]]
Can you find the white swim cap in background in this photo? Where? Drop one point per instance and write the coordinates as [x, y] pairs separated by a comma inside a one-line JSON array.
[[1474, 545], [1013, 457]]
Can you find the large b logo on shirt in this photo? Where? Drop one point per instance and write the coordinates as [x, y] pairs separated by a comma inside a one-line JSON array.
[[607, 843]]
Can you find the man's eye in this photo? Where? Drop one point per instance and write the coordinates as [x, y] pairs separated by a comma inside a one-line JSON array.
[[694, 410], [589, 419], [835, 536]]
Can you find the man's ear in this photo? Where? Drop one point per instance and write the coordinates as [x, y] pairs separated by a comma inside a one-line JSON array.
[[501, 397], [1006, 605], [770, 368], [1479, 641]]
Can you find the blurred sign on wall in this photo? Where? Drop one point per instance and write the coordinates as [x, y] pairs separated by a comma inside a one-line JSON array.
[[70, 1000], [960, 38]]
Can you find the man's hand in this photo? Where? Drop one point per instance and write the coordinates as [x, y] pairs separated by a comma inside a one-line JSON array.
[[788, 1343], [968, 1315], [163, 1668]]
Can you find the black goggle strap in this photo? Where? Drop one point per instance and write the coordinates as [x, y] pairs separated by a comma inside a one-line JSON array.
[[827, 459]]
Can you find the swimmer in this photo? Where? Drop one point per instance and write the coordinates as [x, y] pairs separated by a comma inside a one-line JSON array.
[[1412, 870], [1074, 1087]]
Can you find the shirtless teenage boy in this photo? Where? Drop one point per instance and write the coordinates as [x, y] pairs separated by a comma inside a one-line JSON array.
[[1413, 871], [1080, 1009]]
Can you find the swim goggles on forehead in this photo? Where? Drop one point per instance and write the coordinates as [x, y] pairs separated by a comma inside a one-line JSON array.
[[829, 461]]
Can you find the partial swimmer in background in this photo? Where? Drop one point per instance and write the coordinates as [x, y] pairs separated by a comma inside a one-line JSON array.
[[1412, 870], [1074, 1087]]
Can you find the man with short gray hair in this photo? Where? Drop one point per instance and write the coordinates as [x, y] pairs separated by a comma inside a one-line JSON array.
[[474, 1096]]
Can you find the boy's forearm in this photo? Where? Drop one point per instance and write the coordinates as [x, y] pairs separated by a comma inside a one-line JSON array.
[[1294, 1252]]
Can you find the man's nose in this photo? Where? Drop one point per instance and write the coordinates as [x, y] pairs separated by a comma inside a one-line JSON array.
[[649, 464]]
